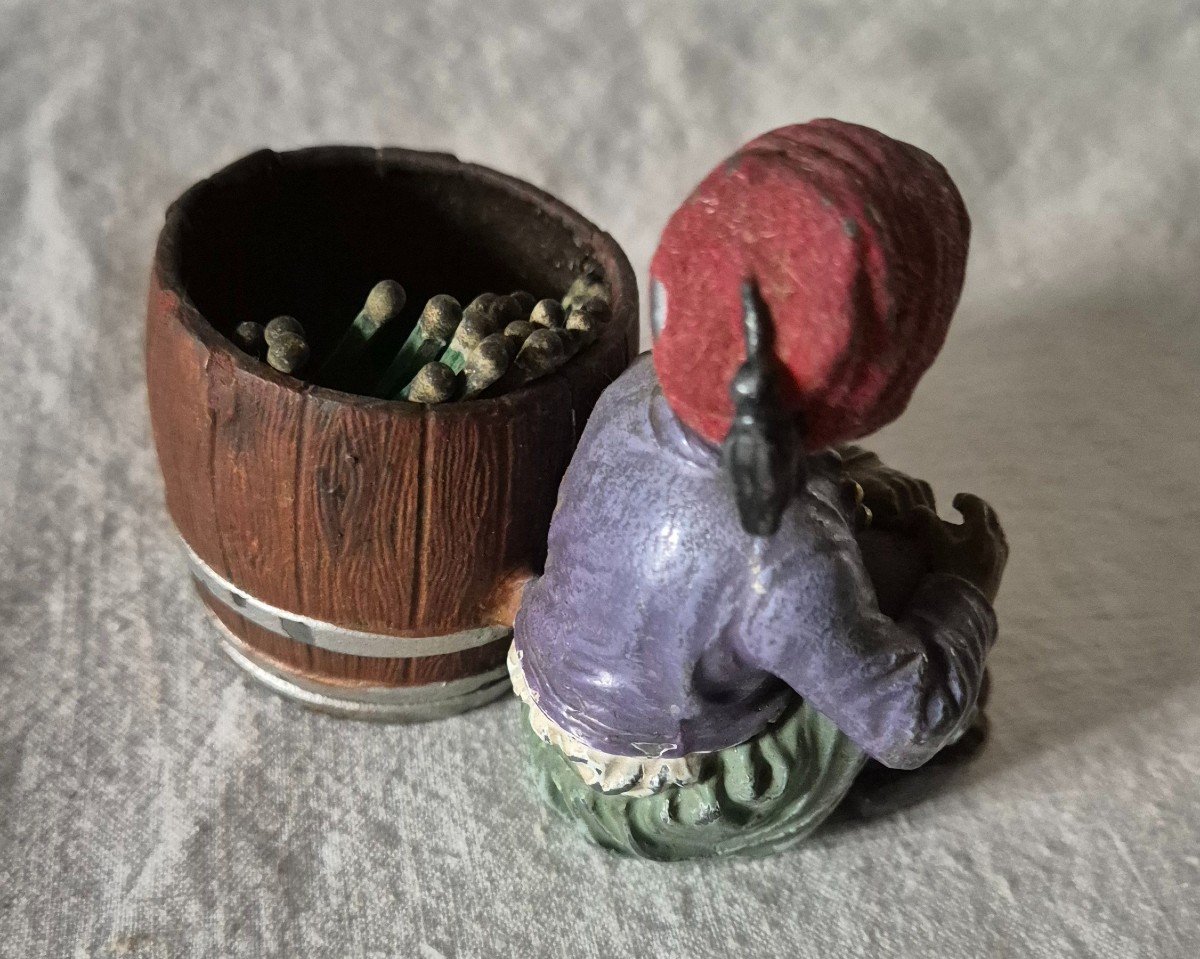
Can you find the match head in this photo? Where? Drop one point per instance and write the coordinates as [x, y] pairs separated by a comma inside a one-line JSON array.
[[547, 313], [280, 325], [484, 312], [384, 302], [434, 383], [249, 336], [441, 317], [471, 331], [507, 310], [515, 335], [288, 353], [544, 350], [525, 300], [590, 284], [483, 304], [583, 326], [596, 311], [484, 300], [486, 363]]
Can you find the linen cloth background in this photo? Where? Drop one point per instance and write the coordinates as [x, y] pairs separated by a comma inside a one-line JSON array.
[[153, 802]]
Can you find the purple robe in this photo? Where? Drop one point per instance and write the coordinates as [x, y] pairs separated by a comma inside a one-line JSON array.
[[661, 628]]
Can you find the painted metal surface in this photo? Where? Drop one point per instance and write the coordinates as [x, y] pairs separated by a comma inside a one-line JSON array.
[[330, 636], [379, 703]]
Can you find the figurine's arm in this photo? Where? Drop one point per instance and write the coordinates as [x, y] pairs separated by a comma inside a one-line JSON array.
[[902, 689]]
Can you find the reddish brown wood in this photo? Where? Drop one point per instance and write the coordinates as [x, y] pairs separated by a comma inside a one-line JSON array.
[[375, 515]]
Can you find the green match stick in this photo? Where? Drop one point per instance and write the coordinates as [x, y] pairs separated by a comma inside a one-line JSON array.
[[434, 383], [486, 364], [425, 343], [344, 364]]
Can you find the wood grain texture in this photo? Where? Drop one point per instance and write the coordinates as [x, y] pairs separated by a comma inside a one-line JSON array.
[[370, 514], [175, 375]]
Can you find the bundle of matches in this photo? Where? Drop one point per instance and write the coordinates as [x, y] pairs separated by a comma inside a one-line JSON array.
[[287, 348], [503, 342], [427, 341], [498, 343], [282, 340], [466, 331]]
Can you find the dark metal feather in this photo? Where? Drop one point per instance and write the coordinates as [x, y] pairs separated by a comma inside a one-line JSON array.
[[761, 452]]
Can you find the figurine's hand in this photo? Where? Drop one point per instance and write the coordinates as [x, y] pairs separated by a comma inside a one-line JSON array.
[[506, 601], [890, 495], [975, 549]]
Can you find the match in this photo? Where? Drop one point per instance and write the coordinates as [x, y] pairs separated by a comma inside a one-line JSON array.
[[508, 309], [543, 351], [516, 333], [288, 352], [249, 336], [281, 325], [434, 329], [525, 300], [498, 342], [547, 313], [474, 327], [588, 286], [583, 324], [434, 383], [486, 364], [384, 304]]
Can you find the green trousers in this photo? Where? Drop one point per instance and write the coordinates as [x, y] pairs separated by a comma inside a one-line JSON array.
[[753, 799]]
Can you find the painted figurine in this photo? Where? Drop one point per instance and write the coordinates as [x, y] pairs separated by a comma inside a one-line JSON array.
[[738, 612]]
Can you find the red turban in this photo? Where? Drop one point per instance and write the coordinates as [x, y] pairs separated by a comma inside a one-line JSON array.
[[858, 244]]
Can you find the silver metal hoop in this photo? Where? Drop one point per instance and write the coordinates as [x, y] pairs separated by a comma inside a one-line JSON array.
[[330, 636], [378, 703]]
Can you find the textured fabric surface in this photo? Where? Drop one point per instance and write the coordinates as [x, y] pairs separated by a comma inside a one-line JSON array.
[[154, 803], [857, 243]]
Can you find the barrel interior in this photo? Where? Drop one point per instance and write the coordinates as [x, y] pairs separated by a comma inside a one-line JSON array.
[[309, 233]]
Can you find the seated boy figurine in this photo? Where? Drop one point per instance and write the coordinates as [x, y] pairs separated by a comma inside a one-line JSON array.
[[738, 611]]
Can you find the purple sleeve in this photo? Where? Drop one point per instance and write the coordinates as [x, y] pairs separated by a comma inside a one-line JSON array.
[[901, 689]]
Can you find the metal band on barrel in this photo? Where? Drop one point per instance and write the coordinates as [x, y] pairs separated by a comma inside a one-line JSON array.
[[404, 704], [329, 636]]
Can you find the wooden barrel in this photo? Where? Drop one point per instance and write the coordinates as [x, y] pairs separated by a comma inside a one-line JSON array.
[[360, 554]]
